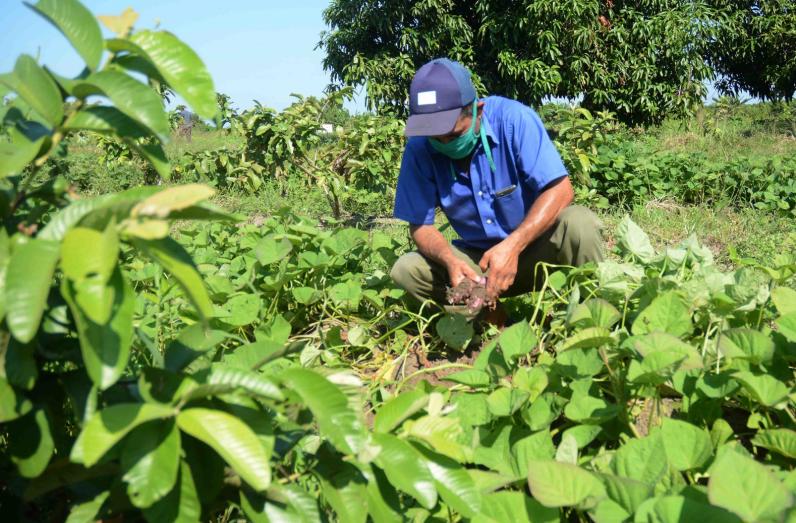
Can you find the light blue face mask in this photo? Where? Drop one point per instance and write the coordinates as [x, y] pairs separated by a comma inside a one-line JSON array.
[[461, 146]]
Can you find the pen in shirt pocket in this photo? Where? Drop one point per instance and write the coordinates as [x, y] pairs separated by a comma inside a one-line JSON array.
[[505, 191]]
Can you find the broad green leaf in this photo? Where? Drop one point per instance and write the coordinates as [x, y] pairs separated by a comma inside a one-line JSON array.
[[471, 377], [243, 309], [344, 488], [642, 459], [583, 408], [747, 344], [506, 401], [667, 313], [393, 412], [595, 312], [787, 326], [18, 364], [633, 240], [764, 388], [779, 440], [18, 153], [588, 338], [454, 484], [534, 380], [153, 152], [182, 504], [608, 511], [687, 446], [455, 331], [720, 432], [233, 440], [577, 364], [88, 511], [192, 342], [108, 426], [346, 294], [471, 409], [174, 258], [12, 404], [89, 253], [556, 484], [305, 295], [382, 502], [181, 67], [130, 96], [509, 505], [270, 250], [678, 509], [336, 420], [105, 347], [162, 204], [567, 451], [250, 381], [30, 443], [517, 340], [405, 468], [628, 493], [784, 299], [77, 24], [747, 488], [28, 279], [36, 88], [536, 446], [105, 119], [583, 434], [150, 461]]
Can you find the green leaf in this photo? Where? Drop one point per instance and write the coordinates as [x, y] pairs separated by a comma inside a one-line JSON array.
[[346, 294], [455, 486], [305, 295], [77, 24], [583, 408], [14, 156], [108, 426], [87, 511], [18, 364], [105, 346], [677, 509], [130, 96], [12, 405], [28, 279], [787, 326], [182, 504], [780, 440], [471, 377], [455, 331], [243, 309], [105, 119], [642, 459], [667, 313], [30, 443], [233, 440], [506, 401], [250, 381], [36, 88], [344, 488], [167, 201], [747, 488], [176, 260], [633, 240], [764, 388], [556, 484], [628, 493], [517, 340], [747, 344], [405, 469], [150, 461], [784, 299], [588, 338], [182, 69], [336, 420], [687, 446], [508, 505], [89, 253], [393, 412], [595, 312], [270, 250]]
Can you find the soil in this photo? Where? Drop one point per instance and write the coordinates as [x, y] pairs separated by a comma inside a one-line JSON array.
[[416, 360], [650, 416], [471, 294]]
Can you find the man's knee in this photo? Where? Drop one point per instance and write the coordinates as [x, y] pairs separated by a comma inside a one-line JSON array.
[[581, 235], [406, 271]]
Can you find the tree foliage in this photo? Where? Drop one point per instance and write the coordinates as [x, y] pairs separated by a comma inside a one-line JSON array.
[[643, 60], [755, 50]]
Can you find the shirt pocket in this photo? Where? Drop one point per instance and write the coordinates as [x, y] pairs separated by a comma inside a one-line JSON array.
[[509, 209]]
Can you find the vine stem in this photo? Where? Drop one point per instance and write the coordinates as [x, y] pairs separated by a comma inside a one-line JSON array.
[[429, 370]]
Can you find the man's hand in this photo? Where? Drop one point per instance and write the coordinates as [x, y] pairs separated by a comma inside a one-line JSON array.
[[458, 270], [501, 262]]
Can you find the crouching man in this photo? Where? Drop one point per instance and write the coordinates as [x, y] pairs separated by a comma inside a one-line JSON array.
[[492, 169]]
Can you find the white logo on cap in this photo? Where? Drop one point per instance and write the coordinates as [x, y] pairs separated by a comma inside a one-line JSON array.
[[427, 98]]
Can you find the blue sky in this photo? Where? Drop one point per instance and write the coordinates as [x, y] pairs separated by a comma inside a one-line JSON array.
[[255, 49]]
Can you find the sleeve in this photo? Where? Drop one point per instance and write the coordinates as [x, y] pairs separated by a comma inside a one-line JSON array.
[[537, 158], [416, 197]]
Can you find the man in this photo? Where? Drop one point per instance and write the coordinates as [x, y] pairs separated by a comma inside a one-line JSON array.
[[491, 167]]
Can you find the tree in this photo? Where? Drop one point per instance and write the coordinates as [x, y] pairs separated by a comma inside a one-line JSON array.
[[642, 59], [755, 49]]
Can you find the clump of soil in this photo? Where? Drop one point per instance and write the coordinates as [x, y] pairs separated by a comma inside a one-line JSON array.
[[471, 294]]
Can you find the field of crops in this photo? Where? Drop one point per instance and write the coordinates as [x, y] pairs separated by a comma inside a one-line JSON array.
[[207, 330]]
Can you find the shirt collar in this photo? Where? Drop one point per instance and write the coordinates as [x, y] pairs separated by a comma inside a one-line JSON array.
[[490, 133]]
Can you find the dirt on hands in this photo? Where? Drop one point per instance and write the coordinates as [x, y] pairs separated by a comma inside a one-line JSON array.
[[471, 294]]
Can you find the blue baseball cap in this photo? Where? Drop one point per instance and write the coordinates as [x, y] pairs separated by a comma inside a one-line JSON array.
[[438, 92]]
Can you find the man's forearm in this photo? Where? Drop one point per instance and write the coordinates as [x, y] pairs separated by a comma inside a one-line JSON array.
[[431, 243], [542, 215]]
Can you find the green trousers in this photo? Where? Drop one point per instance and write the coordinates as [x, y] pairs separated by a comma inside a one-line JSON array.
[[574, 239]]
